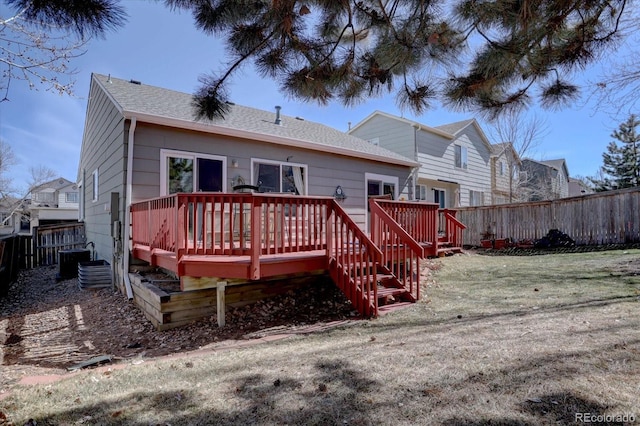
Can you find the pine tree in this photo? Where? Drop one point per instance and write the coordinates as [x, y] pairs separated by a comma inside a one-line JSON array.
[[351, 50], [621, 163]]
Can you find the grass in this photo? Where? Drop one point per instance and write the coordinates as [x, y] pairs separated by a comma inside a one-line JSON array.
[[495, 341]]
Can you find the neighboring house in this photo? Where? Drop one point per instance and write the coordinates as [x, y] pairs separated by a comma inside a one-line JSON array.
[[142, 142], [578, 187], [53, 203], [505, 173], [544, 180], [11, 213], [454, 159]]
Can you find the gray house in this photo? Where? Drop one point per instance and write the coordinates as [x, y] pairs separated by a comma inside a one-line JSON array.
[[142, 142], [544, 180], [454, 159]]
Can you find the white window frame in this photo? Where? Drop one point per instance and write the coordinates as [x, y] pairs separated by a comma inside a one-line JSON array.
[[95, 186], [304, 167], [444, 192], [166, 153], [476, 198], [461, 157], [67, 196], [502, 168], [420, 192]]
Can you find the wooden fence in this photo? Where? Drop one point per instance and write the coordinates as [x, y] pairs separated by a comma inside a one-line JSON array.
[[611, 217], [47, 241]]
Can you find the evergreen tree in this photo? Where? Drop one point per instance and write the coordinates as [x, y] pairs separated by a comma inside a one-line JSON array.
[[353, 49], [621, 163]]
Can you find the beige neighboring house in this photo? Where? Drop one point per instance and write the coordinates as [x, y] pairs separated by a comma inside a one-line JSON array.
[[505, 174], [53, 203], [544, 180], [454, 158]]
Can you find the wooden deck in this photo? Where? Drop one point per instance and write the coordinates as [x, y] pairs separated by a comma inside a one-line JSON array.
[[254, 237]]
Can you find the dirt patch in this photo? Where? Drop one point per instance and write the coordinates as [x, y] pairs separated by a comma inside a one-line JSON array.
[[48, 326]]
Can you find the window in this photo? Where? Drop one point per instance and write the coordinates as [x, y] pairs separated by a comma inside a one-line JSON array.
[[461, 156], [501, 168], [421, 193], [5, 219], [94, 186], [71, 197], [44, 197], [81, 199], [476, 198], [439, 197], [191, 172], [274, 176]]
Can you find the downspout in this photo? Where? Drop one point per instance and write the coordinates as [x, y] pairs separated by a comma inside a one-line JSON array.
[[415, 172], [127, 207]]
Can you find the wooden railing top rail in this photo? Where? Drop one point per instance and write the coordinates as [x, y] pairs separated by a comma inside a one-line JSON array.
[[450, 215]]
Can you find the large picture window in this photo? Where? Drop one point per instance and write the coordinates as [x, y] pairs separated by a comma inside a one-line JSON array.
[[273, 176], [191, 172]]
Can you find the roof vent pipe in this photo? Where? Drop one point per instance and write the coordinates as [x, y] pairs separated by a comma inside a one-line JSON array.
[[278, 121]]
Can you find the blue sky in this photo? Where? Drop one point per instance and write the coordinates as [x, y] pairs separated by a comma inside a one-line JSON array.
[[162, 48]]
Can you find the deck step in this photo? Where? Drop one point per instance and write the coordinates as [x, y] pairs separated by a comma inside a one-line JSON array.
[[386, 292]]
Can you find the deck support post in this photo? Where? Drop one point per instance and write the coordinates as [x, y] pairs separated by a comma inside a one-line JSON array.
[[220, 308]]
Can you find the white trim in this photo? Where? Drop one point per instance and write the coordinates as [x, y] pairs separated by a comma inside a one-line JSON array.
[[414, 124], [95, 186], [281, 163], [378, 178], [166, 153]]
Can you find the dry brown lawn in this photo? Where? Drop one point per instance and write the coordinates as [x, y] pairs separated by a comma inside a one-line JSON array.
[[540, 340]]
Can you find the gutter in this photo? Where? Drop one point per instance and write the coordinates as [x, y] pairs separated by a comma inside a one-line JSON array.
[[127, 207]]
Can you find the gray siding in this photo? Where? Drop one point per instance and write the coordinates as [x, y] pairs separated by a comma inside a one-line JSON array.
[[394, 135], [104, 147], [325, 171]]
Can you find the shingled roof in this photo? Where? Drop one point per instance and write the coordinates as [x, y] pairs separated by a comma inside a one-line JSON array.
[[167, 107]]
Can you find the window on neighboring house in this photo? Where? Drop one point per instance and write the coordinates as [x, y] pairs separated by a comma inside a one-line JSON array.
[[501, 167], [476, 198], [461, 156], [44, 197], [421, 193], [274, 176], [94, 186], [71, 197], [191, 172], [439, 197], [5, 219]]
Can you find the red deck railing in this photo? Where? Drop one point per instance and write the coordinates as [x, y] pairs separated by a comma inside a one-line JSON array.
[[256, 225], [400, 250], [261, 224], [353, 261], [450, 227], [418, 219]]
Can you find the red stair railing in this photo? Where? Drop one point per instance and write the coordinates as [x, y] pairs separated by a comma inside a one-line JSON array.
[[353, 261], [401, 253]]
